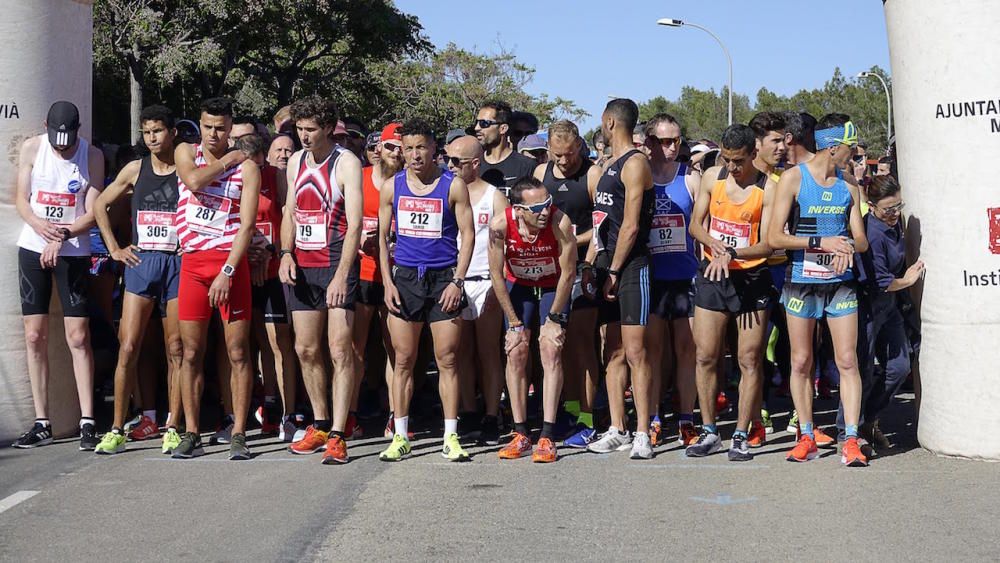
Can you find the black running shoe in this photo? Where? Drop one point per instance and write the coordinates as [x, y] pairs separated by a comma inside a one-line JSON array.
[[238, 449], [468, 426], [38, 435], [189, 447], [490, 434], [88, 438]]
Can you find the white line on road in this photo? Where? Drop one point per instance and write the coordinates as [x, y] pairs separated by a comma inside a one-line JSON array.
[[695, 466], [15, 499], [203, 460]]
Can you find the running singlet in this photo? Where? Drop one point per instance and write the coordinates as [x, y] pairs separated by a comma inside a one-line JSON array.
[[570, 195], [736, 224], [57, 194], [819, 212], [269, 214], [320, 216], [426, 231], [609, 211], [778, 256], [209, 219], [369, 226], [154, 206], [670, 245], [482, 215], [532, 263]]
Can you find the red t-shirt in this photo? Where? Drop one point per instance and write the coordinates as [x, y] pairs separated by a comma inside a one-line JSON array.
[[369, 264]]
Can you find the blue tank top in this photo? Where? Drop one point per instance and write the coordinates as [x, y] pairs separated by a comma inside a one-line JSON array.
[[820, 212], [670, 245], [426, 231]]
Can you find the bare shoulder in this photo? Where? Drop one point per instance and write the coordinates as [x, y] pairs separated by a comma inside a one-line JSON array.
[[29, 148]]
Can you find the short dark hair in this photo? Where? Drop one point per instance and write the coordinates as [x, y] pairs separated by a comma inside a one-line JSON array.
[[801, 125], [244, 119], [319, 109], [525, 117], [217, 106], [159, 113], [832, 120], [348, 121], [502, 109], [417, 126], [738, 136], [624, 110], [523, 185], [882, 187], [656, 120], [252, 144], [766, 121]]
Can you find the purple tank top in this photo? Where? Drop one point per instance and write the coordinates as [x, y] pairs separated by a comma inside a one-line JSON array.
[[426, 231]]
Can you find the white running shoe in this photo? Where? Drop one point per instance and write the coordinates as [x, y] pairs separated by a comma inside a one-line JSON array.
[[614, 440], [642, 448], [286, 432]]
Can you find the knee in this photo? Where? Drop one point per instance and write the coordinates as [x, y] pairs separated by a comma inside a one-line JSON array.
[[36, 339], [446, 359], [127, 351], [175, 350], [191, 356], [704, 360], [549, 352], [238, 354], [749, 363], [341, 354], [802, 364], [518, 357], [308, 353], [78, 338], [405, 357], [635, 352], [847, 363]]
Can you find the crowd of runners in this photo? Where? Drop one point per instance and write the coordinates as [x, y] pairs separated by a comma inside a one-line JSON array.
[[553, 274]]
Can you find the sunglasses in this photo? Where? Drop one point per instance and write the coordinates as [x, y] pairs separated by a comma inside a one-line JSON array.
[[487, 123], [536, 208], [894, 210], [665, 141], [456, 161]]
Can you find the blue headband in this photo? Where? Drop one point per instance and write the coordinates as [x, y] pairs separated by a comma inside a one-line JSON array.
[[846, 134]]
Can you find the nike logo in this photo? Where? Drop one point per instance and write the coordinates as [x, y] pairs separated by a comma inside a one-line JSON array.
[[238, 312]]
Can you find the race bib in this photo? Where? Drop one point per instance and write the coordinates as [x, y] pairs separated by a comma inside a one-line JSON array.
[[369, 225], [310, 230], [207, 214], [667, 234], [54, 207], [264, 230], [818, 265], [532, 268], [736, 235], [156, 230], [419, 217], [598, 217]]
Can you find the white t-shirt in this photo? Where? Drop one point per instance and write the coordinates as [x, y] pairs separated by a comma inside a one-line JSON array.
[[57, 193]]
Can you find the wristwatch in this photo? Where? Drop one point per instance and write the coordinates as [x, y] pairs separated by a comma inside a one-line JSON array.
[[516, 328], [284, 251], [228, 270], [65, 234], [561, 318], [731, 251], [459, 282], [815, 242], [614, 273]]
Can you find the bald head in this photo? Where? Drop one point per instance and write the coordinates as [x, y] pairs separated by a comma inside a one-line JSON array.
[[464, 157], [465, 146]]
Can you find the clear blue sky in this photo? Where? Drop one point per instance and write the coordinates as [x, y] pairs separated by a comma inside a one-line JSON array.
[[585, 50]]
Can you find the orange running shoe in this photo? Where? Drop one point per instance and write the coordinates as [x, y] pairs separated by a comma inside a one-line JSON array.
[[824, 440], [850, 454], [353, 428], [757, 436], [545, 452], [314, 441], [721, 403], [804, 450], [655, 429], [519, 446], [687, 434], [336, 451], [145, 430]]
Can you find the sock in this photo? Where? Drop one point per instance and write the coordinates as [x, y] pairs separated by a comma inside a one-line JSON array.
[[710, 428], [43, 421], [521, 428], [324, 425], [334, 433], [401, 424], [547, 429], [151, 414], [450, 426], [572, 407], [586, 419], [806, 428], [851, 430], [686, 419], [116, 431], [86, 420], [230, 419], [740, 434]]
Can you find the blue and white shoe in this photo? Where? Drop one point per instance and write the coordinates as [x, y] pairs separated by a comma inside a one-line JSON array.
[[581, 438]]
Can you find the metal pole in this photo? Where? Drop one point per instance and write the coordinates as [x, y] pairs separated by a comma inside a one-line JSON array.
[[888, 104], [728, 58]]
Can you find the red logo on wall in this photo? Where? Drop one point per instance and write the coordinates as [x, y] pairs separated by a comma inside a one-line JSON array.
[[994, 219]]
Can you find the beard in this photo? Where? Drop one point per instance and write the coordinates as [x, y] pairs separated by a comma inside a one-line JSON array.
[[386, 169]]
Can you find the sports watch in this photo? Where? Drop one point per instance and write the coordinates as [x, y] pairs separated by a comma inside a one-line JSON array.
[[228, 270]]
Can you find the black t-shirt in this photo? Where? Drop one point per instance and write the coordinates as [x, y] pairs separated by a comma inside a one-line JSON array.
[[508, 171], [571, 196]]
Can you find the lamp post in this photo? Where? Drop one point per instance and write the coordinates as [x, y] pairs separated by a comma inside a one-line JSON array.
[[888, 103], [670, 22]]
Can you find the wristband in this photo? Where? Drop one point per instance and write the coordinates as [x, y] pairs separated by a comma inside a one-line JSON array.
[[815, 242], [731, 251], [286, 252], [559, 318], [586, 266], [615, 273]]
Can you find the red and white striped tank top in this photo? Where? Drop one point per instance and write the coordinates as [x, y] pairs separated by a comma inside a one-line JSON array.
[[209, 219]]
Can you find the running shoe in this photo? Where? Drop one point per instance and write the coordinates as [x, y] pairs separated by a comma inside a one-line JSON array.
[[353, 429], [793, 423], [397, 450], [88, 438], [224, 434], [687, 434], [452, 449], [642, 448], [871, 433], [765, 418], [564, 426], [614, 440], [545, 452], [707, 444], [721, 403], [804, 450], [824, 440], [287, 429], [490, 433], [171, 439], [132, 423], [390, 427], [238, 450], [739, 450], [314, 441], [145, 430], [850, 454], [38, 435], [336, 451], [468, 426], [758, 435], [190, 446], [267, 426], [655, 427], [581, 438], [300, 427], [519, 446], [111, 443]]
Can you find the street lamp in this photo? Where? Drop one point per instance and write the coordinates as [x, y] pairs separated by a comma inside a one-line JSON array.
[[888, 103], [670, 22]]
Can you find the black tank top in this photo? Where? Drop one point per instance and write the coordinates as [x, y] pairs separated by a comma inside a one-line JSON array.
[[152, 193], [609, 210], [571, 196]]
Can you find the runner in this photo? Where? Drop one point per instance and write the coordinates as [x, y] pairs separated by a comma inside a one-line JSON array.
[[675, 265], [826, 229], [281, 150], [55, 198], [566, 177], [733, 282], [623, 213], [430, 208], [534, 243], [216, 209], [799, 138], [502, 165], [483, 316], [152, 270], [320, 238]]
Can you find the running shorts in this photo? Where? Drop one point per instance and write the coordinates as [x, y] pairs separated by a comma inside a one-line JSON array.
[[70, 276], [198, 270], [419, 295], [815, 301]]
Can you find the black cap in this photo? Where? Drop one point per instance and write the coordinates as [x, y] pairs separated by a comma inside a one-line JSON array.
[[63, 123]]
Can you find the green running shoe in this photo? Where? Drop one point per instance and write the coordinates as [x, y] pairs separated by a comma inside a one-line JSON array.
[[765, 417], [189, 447], [452, 450], [111, 443], [793, 423], [397, 450], [171, 439], [238, 450]]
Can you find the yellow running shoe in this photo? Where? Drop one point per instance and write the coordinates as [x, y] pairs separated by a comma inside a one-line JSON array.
[[171, 439], [397, 450], [452, 450]]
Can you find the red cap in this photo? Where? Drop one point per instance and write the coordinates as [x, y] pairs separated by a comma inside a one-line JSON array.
[[391, 133]]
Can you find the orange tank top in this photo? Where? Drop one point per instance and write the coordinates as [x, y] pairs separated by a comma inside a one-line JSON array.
[[369, 224], [736, 224]]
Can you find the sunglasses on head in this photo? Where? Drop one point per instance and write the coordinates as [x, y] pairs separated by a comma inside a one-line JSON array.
[[487, 123], [536, 208]]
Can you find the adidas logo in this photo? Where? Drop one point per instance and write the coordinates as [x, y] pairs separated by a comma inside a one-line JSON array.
[[563, 188]]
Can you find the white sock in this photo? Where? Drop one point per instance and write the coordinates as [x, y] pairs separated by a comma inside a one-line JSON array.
[[85, 420], [401, 425], [450, 426], [150, 414]]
